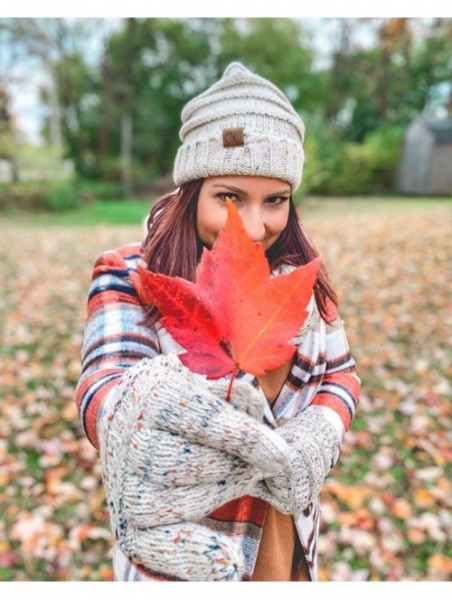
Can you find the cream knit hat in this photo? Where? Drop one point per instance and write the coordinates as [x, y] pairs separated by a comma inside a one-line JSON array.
[[241, 125]]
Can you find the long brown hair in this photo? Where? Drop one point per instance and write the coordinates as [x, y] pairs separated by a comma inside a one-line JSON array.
[[173, 247]]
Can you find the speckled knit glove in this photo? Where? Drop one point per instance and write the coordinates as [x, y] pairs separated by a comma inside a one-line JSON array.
[[314, 449], [173, 450]]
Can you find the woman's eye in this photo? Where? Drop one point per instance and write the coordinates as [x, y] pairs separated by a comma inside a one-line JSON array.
[[225, 197], [277, 200]]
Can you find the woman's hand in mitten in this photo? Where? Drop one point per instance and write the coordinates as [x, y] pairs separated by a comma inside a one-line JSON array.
[[161, 393], [314, 449], [161, 498], [159, 493], [157, 478]]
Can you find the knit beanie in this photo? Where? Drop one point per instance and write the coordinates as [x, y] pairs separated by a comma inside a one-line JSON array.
[[241, 125]]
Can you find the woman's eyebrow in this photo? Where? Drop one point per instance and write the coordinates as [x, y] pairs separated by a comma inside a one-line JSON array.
[[280, 193], [232, 188]]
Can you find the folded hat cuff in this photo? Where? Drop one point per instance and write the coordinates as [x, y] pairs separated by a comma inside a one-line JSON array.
[[276, 157]]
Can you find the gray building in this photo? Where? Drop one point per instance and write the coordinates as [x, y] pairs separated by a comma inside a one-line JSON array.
[[425, 165]]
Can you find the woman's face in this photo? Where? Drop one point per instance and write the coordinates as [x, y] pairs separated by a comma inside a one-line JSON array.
[[262, 202]]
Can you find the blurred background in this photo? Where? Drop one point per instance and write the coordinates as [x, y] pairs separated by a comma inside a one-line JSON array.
[[89, 121]]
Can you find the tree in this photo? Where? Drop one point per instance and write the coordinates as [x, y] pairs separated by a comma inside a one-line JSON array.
[[8, 135], [60, 48], [159, 64], [279, 50], [430, 62], [165, 65], [11, 53], [118, 115]]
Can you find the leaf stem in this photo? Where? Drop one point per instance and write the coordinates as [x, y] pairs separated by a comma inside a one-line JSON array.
[[231, 381]]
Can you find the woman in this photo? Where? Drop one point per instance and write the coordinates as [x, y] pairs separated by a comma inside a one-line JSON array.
[[198, 488]]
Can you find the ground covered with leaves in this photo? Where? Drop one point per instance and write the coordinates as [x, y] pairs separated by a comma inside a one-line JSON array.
[[386, 507]]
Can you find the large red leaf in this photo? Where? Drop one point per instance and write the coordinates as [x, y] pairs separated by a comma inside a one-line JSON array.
[[236, 316]]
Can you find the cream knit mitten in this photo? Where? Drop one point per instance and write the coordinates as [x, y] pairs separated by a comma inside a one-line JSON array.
[[314, 449], [172, 451]]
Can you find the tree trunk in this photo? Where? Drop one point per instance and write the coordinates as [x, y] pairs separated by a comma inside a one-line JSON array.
[[337, 69], [126, 152], [14, 170], [126, 116], [384, 76], [55, 112]]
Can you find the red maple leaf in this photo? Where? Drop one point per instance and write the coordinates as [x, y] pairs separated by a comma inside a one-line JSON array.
[[236, 315]]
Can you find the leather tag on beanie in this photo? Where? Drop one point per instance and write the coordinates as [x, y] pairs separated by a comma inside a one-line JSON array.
[[232, 136]]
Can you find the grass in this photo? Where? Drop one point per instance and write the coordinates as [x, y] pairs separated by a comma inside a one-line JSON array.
[[108, 212]]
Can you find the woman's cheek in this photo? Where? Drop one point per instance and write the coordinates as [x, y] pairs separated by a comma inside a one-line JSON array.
[[210, 222]]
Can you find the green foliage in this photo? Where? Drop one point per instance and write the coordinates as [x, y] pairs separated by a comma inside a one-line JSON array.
[[149, 74], [61, 196], [322, 157], [337, 167], [40, 196], [100, 190], [109, 171], [383, 146], [279, 50]]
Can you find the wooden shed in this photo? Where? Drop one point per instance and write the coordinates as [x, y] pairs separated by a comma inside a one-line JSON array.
[[425, 165]]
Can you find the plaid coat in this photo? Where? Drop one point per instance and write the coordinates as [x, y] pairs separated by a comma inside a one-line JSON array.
[[323, 378]]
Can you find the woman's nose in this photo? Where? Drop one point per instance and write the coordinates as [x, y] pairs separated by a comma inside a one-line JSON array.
[[254, 224]]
